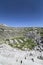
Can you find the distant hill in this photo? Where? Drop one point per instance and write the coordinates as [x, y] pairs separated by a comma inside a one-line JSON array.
[[20, 33], [8, 32]]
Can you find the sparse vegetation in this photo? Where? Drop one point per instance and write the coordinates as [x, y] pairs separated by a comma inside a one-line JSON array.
[[29, 44]]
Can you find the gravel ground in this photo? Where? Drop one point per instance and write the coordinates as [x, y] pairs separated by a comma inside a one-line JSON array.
[[14, 56]]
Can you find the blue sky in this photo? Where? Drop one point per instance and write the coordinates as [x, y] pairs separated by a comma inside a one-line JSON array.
[[21, 12]]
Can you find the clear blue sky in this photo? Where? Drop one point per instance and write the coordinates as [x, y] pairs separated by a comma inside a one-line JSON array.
[[21, 12]]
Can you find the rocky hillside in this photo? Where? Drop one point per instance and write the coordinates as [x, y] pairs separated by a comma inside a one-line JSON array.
[[9, 32], [21, 37], [21, 46]]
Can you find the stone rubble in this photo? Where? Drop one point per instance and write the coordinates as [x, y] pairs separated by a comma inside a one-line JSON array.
[[14, 56]]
